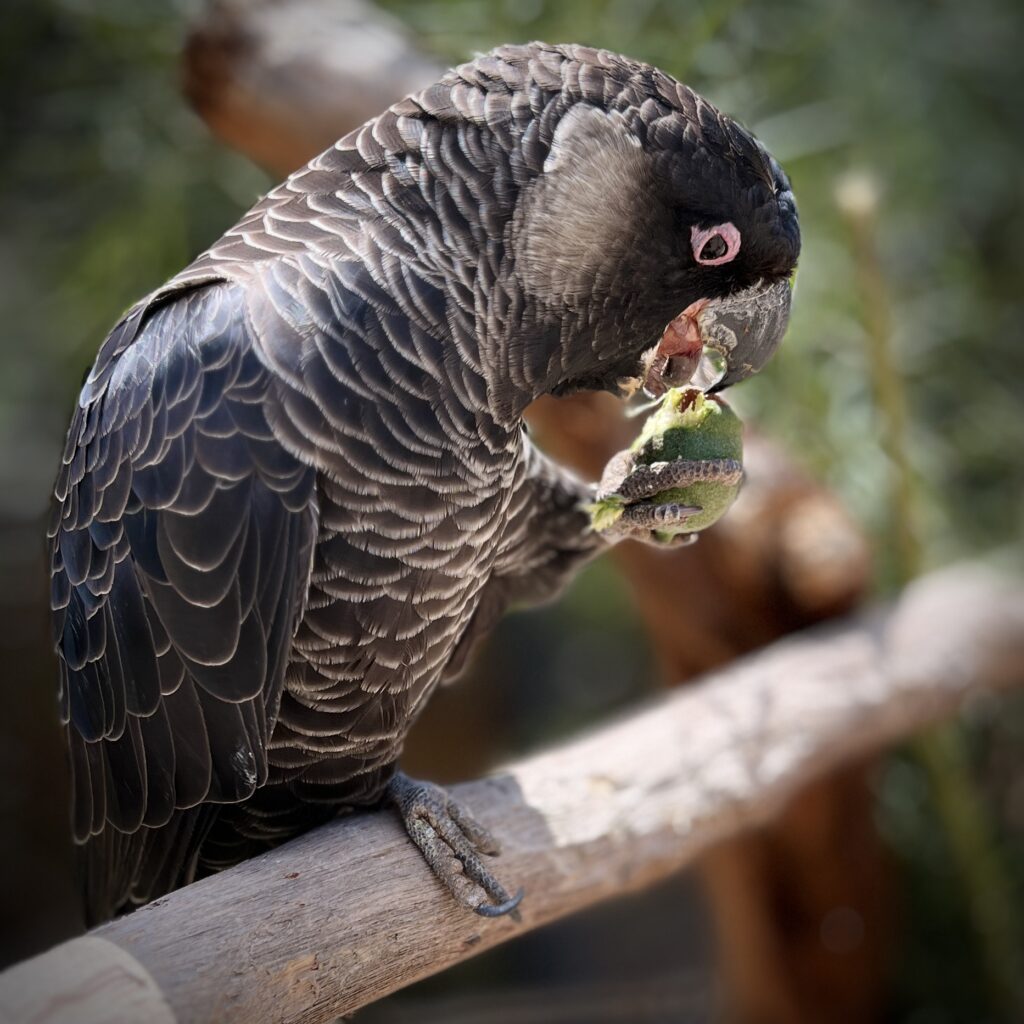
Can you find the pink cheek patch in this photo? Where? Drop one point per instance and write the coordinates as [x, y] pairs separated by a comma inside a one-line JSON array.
[[729, 238]]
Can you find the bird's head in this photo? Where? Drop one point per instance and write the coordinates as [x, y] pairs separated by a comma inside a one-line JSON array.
[[648, 203]]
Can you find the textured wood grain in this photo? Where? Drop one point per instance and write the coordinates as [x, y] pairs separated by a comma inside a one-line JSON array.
[[87, 981], [348, 913]]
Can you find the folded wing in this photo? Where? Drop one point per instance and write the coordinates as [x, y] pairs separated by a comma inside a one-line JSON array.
[[181, 548]]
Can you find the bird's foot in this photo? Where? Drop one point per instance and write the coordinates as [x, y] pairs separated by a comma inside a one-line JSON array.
[[452, 840], [630, 487], [634, 483]]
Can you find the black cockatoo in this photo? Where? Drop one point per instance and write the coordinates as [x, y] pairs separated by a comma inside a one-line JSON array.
[[297, 487]]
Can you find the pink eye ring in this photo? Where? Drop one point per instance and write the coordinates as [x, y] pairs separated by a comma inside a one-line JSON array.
[[712, 247]]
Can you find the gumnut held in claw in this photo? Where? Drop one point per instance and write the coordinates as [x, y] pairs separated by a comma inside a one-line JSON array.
[[699, 430]]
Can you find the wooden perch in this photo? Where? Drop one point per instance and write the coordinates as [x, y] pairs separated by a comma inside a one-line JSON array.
[[349, 913]]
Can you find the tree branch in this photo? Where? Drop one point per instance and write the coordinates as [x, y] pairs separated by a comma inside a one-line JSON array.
[[349, 913], [280, 81]]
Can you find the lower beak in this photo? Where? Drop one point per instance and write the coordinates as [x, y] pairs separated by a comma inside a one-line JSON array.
[[744, 329]]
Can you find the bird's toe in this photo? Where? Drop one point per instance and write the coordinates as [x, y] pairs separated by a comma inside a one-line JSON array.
[[452, 841]]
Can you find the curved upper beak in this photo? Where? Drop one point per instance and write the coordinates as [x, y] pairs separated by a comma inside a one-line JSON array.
[[745, 329]]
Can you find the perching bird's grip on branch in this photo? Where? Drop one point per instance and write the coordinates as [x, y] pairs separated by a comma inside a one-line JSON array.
[[346, 914], [296, 489]]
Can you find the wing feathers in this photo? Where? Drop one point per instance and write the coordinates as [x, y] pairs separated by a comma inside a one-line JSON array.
[[180, 559]]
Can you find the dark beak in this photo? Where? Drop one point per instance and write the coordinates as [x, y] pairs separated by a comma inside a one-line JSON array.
[[744, 329]]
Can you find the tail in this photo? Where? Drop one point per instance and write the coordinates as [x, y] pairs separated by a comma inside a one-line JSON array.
[[119, 871]]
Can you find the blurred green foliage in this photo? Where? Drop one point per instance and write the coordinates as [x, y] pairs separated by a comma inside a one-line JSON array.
[[109, 184]]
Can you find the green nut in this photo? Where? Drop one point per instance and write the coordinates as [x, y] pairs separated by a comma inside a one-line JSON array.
[[691, 425]]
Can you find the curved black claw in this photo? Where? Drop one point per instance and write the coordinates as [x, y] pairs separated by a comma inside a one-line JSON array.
[[451, 841], [497, 910]]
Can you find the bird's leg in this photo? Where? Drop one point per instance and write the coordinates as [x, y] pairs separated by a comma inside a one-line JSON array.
[[633, 485], [452, 840]]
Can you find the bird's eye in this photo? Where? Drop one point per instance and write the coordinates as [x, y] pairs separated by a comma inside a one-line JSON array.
[[713, 246]]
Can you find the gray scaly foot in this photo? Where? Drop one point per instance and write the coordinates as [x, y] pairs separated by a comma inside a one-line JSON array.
[[451, 841]]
